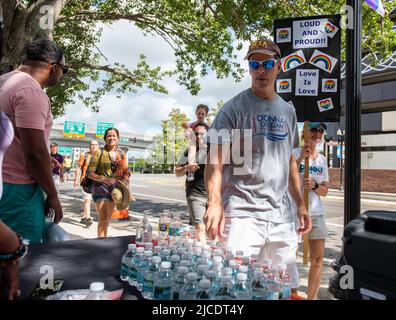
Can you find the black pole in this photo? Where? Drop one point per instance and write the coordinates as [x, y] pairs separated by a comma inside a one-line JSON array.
[[353, 114], [341, 178]]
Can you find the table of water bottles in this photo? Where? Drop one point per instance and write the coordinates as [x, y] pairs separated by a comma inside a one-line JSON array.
[[178, 267]]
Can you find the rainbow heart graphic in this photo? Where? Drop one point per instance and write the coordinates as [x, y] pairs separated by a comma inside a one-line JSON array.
[[283, 34], [329, 28], [284, 85], [329, 84]]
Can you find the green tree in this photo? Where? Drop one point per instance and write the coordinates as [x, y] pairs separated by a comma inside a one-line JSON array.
[[214, 111], [204, 35]]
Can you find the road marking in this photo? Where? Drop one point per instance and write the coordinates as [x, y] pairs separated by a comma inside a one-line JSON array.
[[161, 198], [62, 196], [335, 225], [139, 185]]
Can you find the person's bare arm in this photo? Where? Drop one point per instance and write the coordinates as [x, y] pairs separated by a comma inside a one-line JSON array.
[[38, 162], [295, 191], [8, 239], [214, 217], [182, 170]]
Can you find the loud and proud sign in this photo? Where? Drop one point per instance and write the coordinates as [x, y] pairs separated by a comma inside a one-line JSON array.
[[310, 63]]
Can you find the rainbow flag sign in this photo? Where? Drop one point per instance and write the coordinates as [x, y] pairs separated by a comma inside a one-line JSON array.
[[323, 61], [293, 60], [376, 5], [310, 74]]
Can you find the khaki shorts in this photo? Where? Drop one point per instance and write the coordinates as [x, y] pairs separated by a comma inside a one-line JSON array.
[[197, 206]]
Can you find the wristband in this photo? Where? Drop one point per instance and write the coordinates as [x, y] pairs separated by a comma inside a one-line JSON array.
[[18, 253]]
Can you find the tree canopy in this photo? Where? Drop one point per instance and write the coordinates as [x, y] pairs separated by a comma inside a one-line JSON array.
[[204, 34]]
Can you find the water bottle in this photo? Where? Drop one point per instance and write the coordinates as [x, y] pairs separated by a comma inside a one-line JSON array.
[[175, 228], [179, 282], [142, 267], [259, 286], [242, 289], [225, 291], [212, 276], [201, 271], [204, 290], [148, 246], [96, 290], [165, 255], [190, 289], [285, 282], [185, 263], [239, 256], [190, 176], [163, 226], [149, 276], [196, 254], [227, 259], [126, 261], [175, 260], [144, 233], [136, 260], [163, 282], [273, 285], [233, 264]]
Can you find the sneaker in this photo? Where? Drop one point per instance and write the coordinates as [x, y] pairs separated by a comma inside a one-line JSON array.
[[88, 222], [83, 220]]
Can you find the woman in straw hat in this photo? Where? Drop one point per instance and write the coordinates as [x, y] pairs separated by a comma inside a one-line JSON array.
[[108, 169]]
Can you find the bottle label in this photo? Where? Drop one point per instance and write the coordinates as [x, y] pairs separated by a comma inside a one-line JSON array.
[[163, 227], [162, 293]]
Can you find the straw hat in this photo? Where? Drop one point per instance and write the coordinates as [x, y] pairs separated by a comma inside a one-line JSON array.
[[121, 196]]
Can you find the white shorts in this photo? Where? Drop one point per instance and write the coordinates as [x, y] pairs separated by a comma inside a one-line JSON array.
[[56, 178], [86, 196], [275, 241]]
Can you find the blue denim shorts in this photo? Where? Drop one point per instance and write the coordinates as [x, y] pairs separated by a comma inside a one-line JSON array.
[[101, 191]]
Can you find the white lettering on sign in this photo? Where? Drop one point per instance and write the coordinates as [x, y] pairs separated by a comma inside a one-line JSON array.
[[307, 34], [307, 82]]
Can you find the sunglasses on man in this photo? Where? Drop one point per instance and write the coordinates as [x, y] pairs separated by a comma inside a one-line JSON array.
[[321, 130], [267, 64], [62, 66]]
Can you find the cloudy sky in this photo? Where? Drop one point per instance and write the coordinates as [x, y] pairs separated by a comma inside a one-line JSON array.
[[142, 112]]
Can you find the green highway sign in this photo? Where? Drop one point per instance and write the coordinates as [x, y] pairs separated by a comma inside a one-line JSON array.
[[122, 139], [101, 128], [74, 129], [65, 150]]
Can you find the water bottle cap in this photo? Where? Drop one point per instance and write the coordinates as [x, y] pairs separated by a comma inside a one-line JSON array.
[[182, 270], [255, 257], [211, 274], [225, 280], [139, 249], [198, 244], [245, 259], [131, 246], [165, 265], [166, 252], [156, 259], [217, 259], [239, 253], [229, 257], [201, 261], [191, 276], [197, 250], [184, 263], [202, 267], [218, 252], [175, 258], [206, 254], [258, 274], [148, 253], [205, 284], [233, 263], [227, 271], [190, 241], [242, 276], [243, 269], [96, 286], [148, 245], [206, 247]]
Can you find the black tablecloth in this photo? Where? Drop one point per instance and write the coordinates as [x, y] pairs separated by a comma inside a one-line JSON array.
[[77, 262]]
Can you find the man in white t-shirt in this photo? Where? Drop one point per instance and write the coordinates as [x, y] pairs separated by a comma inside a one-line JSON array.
[[318, 186]]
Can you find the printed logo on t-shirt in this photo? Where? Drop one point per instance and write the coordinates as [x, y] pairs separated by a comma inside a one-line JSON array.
[[274, 128], [313, 170]]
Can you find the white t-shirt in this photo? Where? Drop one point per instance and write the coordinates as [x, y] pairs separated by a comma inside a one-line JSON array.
[[318, 172], [6, 137]]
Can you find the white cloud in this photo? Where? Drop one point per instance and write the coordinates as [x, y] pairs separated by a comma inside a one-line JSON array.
[[142, 112]]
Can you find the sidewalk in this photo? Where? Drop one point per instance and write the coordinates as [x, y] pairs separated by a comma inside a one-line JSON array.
[[365, 195]]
